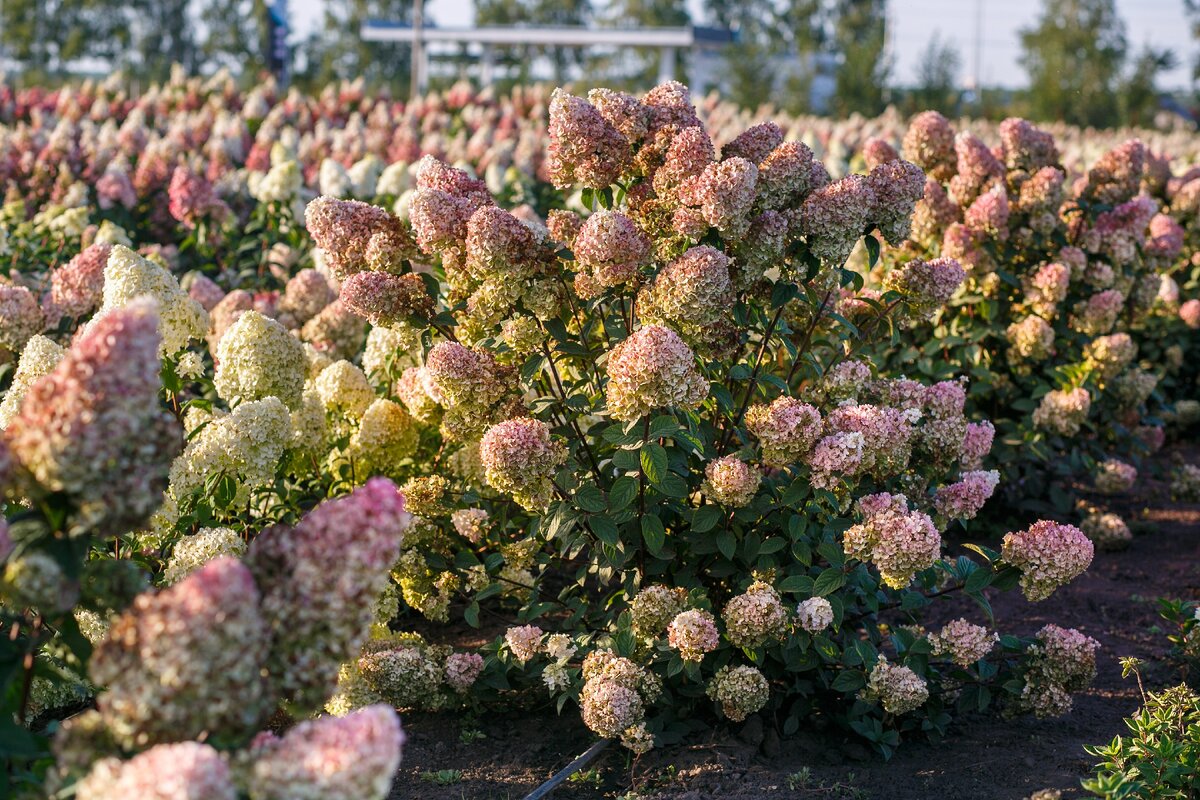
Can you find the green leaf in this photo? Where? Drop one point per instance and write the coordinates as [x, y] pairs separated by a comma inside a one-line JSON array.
[[624, 489], [654, 462], [829, 582], [653, 533], [471, 615], [796, 584], [872, 245], [849, 680], [727, 543], [589, 498], [978, 581], [605, 529], [705, 519]]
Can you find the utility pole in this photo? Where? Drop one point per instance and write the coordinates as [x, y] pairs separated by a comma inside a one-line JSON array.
[[417, 86]]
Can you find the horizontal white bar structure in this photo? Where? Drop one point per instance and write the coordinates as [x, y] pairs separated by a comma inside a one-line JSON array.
[[563, 36]]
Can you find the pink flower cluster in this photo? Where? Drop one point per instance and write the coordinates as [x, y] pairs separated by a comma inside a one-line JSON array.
[[356, 236], [1049, 555], [900, 543], [652, 369], [964, 498], [693, 633], [786, 428], [320, 581], [387, 300], [520, 457], [94, 428], [610, 251]]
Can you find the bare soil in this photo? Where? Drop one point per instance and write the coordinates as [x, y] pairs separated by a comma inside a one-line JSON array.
[[985, 758]]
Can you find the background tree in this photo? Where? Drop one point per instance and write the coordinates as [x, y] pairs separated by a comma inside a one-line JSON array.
[[1140, 96], [937, 78], [162, 33], [238, 34], [859, 34], [1074, 56], [42, 36], [336, 51]]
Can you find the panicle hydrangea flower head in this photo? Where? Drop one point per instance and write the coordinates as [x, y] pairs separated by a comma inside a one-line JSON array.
[[609, 707], [788, 175], [499, 245], [336, 331], [897, 688], [387, 300], [755, 617], [1189, 312], [1049, 555], [1117, 175], [1025, 147], [693, 633], [611, 249], [386, 434], [1063, 411], [40, 356], [740, 690], [1185, 483], [417, 392], [77, 287], [724, 193], [462, 669], [584, 147], [963, 642], [186, 660], [692, 291], [886, 435], [354, 757], [1061, 661], [344, 390], [1114, 476], [1110, 355], [192, 552], [653, 608], [786, 428], [731, 482], [183, 771], [524, 641], [519, 458], [670, 104], [834, 218], [929, 143], [688, 153], [306, 294], [93, 427], [926, 285], [21, 317], [964, 498], [900, 543], [933, 214], [896, 187], [652, 369], [978, 168], [563, 226], [623, 111], [356, 236], [1166, 238], [877, 151], [1040, 197], [201, 288], [321, 581], [814, 614], [129, 276], [35, 579], [1107, 530], [1031, 340], [258, 358], [470, 523], [191, 199], [988, 215], [754, 144]]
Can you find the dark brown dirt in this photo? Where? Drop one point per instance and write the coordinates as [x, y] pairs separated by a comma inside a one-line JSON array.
[[985, 758]]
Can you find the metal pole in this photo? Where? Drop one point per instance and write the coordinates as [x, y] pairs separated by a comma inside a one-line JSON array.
[[416, 87]]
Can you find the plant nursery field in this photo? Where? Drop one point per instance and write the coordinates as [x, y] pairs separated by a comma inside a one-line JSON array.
[[357, 448]]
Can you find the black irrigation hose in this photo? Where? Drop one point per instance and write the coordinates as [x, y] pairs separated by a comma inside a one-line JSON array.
[[566, 772]]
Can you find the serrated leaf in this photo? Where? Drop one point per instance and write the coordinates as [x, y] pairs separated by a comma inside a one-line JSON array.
[[705, 519], [590, 498], [829, 582], [726, 543], [654, 462], [653, 533], [624, 489]]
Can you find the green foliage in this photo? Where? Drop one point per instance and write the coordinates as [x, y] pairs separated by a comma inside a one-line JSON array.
[[1160, 757]]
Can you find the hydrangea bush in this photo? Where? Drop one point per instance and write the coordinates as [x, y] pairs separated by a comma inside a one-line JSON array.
[[1068, 304]]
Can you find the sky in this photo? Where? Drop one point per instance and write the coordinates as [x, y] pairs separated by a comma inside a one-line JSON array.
[[913, 22]]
